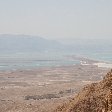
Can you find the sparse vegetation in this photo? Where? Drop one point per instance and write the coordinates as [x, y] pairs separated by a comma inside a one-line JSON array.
[[40, 97]]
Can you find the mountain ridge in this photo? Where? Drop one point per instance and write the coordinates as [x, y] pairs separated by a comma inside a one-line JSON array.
[[96, 97], [27, 43]]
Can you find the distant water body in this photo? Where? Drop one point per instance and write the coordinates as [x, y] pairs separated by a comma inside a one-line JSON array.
[[23, 61], [100, 56], [32, 61]]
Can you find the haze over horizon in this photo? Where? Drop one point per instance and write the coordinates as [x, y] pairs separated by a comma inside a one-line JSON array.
[[57, 19]]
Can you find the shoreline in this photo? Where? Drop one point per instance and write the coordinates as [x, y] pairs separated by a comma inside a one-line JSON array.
[[82, 61], [87, 61]]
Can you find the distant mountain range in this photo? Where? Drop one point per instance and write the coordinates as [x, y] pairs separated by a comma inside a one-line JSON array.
[[26, 43]]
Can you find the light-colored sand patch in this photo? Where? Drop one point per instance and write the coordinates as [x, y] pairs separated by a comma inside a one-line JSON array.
[[59, 80], [104, 65], [87, 82]]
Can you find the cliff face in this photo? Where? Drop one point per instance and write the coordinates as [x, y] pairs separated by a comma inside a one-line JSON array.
[[96, 97]]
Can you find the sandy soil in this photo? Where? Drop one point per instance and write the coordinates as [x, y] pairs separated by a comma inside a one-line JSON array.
[[42, 90]]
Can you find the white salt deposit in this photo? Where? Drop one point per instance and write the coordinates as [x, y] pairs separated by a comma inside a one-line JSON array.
[[105, 65]]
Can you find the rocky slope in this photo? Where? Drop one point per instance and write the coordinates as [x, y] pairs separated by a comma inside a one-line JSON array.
[[96, 97]]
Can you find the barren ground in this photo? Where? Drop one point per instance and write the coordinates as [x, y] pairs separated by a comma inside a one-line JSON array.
[[42, 90]]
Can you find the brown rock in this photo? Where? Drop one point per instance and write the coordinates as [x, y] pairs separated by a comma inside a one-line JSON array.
[[96, 97]]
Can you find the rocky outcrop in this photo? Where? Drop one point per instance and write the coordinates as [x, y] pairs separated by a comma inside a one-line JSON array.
[[96, 97]]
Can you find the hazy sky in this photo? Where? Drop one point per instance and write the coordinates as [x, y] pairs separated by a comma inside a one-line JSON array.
[[57, 18]]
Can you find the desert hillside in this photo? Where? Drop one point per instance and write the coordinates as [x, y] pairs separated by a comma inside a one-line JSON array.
[[96, 97]]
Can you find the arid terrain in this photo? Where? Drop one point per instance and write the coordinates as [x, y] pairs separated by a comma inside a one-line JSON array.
[[95, 97], [44, 89]]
